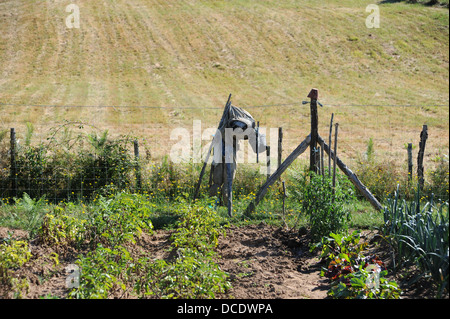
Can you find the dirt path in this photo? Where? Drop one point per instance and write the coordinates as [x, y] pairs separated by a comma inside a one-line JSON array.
[[267, 262]]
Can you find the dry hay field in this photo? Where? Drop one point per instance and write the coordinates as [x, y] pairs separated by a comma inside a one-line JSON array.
[[153, 65]]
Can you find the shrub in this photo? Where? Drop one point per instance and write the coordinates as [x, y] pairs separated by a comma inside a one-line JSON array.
[[326, 210]]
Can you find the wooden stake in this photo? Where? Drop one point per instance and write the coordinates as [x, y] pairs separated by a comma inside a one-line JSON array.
[[257, 142], [322, 168], [329, 141], [284, 203], [280, 146], [410, 162], [313, 95], [334, 158], [423, 141], [138, 166], [13, 168]]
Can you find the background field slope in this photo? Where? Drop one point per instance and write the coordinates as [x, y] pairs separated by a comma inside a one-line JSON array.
[[188, 53]]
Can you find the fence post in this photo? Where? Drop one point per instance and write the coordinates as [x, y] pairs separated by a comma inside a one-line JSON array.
[[268, 161], [329, 142], [257, 142], [334, 160], [410, 162], [13, 168], [313, 95], [280, 146], [138, 167], [423, 141], [284, 202], [322, 168]]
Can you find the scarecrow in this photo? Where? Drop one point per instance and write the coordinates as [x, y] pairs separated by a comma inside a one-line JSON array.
[[236, 125]]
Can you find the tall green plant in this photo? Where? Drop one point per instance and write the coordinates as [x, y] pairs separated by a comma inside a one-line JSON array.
[[420, 231], [324, 207]]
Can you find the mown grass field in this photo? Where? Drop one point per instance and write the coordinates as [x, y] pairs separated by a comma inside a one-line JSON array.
[[192, 54]]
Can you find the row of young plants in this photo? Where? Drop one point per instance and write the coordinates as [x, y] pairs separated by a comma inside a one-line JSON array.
[[114, 266], [113, 269], [418, 232]]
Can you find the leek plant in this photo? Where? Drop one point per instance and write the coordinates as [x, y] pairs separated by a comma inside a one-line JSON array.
[[420, 233]]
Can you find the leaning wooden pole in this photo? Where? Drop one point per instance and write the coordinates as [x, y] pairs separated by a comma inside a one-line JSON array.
[[275, 176], [352, 176]]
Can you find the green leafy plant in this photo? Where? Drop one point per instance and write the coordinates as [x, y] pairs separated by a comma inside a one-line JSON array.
[[13, 255], [365, 284], [26, 213], [420, 234], [119, 219], [103, 273], [61, 229], [198, 228], [352, 274], [325, 209], [194, 273]]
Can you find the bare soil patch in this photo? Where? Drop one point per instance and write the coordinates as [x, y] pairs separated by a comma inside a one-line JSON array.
[[266, 262]]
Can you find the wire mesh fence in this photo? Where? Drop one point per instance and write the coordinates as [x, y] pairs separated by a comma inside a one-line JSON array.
[[74, 165]]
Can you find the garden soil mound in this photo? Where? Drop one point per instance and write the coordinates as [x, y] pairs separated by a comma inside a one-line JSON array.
[[266, 262]]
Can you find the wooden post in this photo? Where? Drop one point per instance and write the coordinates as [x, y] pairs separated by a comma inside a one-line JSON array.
[[280, 146], [13, 167], [318, 168], [288, 161], [322, 168], [284, 202], [229, 188], [257, 142], [268, 161], [353, 178], [334, 158], [329, 141], [197, 188], [138, 166], [410, 162], [423, 141], [313, 95]]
